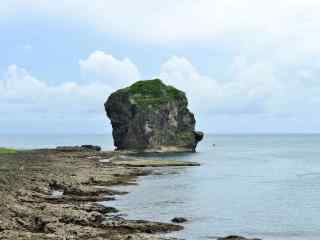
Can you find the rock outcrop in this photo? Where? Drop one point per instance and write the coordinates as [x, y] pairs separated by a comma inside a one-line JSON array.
[[150, 116], [179, 220]]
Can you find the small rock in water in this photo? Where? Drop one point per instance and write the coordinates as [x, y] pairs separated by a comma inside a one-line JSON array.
[[234, 237], [179, 220]]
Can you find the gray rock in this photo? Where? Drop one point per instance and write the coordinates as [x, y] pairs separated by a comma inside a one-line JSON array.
[[150, 116]]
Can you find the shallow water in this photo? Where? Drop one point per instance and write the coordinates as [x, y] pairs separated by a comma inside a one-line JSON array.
[[265, 186]]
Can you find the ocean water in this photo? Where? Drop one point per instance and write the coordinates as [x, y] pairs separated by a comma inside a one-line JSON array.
[[50, 141], [265, 186]]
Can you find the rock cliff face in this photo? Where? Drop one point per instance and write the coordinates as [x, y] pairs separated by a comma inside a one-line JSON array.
[[150, 116]]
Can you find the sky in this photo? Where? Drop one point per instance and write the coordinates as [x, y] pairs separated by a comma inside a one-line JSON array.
[[247, 66]]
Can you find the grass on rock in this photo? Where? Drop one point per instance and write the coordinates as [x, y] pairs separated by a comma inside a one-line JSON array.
[[153, 92], [7, 150]]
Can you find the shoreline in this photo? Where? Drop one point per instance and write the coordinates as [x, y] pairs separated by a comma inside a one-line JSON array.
[[55, 194]]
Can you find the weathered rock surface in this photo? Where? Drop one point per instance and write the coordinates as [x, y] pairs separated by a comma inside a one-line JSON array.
[[31, 209], [150, 116]]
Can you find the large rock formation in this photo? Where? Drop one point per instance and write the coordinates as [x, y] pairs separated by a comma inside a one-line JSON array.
[[152, 117]]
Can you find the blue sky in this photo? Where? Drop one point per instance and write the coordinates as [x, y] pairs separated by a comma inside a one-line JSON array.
[[247, 66]]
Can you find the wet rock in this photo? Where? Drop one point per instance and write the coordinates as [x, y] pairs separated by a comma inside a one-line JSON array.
[[94, 207], [80, 191], [79, 199], [179, 220], [154, 163], [150, 116], [141, 226]]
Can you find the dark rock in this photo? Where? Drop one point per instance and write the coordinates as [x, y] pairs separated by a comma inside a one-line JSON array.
[[96, 218], [39, 224], [54, 185], [198, 135], [141, 226], [69, 148], [234, 237], [94, 207], [150, 116], [92, 147], [2, 228], [78, 148], [179, 220], [75, 199]]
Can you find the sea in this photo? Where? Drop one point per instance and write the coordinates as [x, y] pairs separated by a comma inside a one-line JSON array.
[[264, 186]]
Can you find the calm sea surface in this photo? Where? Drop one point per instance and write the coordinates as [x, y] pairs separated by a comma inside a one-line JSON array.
[[265, 186]]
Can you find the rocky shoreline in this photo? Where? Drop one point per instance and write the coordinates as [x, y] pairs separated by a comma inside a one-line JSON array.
[[55, 194]]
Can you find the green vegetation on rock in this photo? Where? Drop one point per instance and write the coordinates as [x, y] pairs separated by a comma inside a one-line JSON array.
[[7, 150], [153, 92]]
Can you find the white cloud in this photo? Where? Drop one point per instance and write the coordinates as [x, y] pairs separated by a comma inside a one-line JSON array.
[[188, 20], [243, 93], [103, 67], [22, 92], [253, 88], [18, 79], [284, 32], [275, 46]]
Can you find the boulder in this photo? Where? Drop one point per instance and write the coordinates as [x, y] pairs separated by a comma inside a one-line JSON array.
[[179, 220], [150, 116]]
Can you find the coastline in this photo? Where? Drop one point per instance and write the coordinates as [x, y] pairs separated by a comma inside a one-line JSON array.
[[55, 194]]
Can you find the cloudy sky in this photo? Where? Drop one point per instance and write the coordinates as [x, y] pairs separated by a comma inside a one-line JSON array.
[[247, 66]]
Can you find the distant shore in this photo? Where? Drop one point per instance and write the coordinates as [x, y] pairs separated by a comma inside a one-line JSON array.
[[55, 194]]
